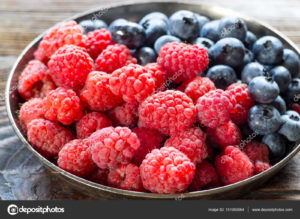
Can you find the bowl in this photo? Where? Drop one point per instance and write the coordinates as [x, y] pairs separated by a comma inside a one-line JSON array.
[[134, 11]]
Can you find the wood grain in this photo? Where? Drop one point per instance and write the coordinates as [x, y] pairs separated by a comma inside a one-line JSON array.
[[22, 176]]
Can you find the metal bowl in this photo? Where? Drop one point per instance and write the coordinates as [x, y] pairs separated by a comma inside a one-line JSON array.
[[134, 11]]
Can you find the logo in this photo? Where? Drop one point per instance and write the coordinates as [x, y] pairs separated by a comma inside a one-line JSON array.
[[12, 209]]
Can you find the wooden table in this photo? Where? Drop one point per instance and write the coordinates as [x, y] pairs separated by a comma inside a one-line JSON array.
[[21, 175]]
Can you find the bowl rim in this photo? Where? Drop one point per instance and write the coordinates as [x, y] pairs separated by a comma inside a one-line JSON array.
[[135, 194]]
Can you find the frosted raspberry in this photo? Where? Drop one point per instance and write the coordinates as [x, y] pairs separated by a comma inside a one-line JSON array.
[[182, 61], [260, 166], [99, 176], [159, 75], [113, 146], [91, 122], [168, 112], [191, 142], [257, 151], [30, 110], [166, 170], [125, 115]]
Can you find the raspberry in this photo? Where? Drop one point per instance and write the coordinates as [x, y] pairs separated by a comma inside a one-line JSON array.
[[125, 115], [35, 81], [113, 146], [30, 110], [97, 94], [166, 170], [168, 112], [159, 75], [76, 158], [91, 122], [242, 102], [126, 176], [226, 134], [63, 105], [48, 137], [132, 83], [149, 139], [197, 87], [296, 107], [257, 151], [213, 108], [99, 176], [63, 34], [260, 166], [191, 142], [182, 61], [97, 41], [70, 66], [114, 57], [233, 165], [206, 177]]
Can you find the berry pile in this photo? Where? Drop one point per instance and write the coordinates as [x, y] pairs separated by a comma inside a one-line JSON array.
[[166, 105]]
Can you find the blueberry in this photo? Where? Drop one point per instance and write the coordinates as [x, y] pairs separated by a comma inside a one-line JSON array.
[[249, 57], [291, 61], [292, 94], [290, 126], [161, 41], [91, 25], [153, 16], [279, 104], [282, 77], [222, 76], [276, 144], [263, 89], [129, 33], [252, 70], [250, 39], [264, 119], [228, 51], [268, 50], [184, 24], [232, 27], [201, 20], [203, 42], [268, 68], [154, 28], [210, 30], [145, 55]]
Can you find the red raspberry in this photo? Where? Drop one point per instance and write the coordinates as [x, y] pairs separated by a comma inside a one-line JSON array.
[[113, 146], [159, 75], [125, 115], [242, 102], [296, 107], [63, 105], [126, 176], [70, 66], [261, 166], [99, 176], [133, 83], [182, 61], [197, 87], [34, 81], [97, 41], [226, 134], [30, 110], [114, 57], [257, 151], [168, 112], [213, 108], [48, 137], [91, 122], [149, 139], [76, 158], [166, 170], [206, 177], [191, 142], [63, 34], [233, 165]]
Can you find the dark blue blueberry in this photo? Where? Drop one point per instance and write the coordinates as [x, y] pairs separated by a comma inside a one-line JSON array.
[[232, 27], [228, 51], [91, 25], [279, 104], [290, 126], [128, 33], [263, 89], [201, 20], [276, 144], [210, 30], [118, 21], [222, 76], [252, 70], [250, 39], [291, 61], [268, 50], [264, 119], [154, 29], [161, 41], [203, 42], [268, 68], [292, 95], [153, 16], [249, 57], [184, 24], [282, 77], [145, 55]]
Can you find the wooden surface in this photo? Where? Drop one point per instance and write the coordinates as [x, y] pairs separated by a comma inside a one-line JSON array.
[[22, 176]]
